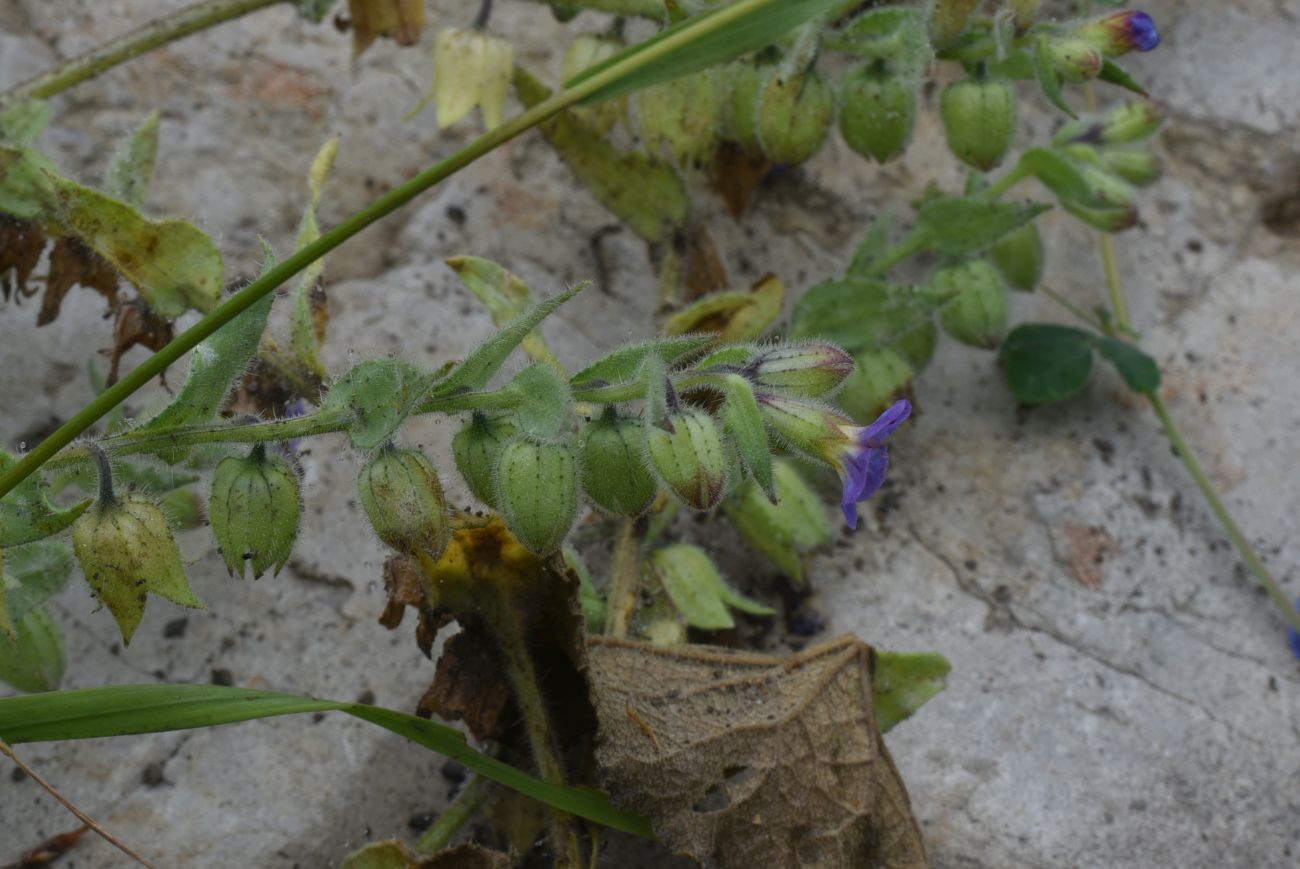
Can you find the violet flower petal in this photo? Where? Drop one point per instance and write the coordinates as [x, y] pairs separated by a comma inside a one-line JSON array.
[[885, 424]]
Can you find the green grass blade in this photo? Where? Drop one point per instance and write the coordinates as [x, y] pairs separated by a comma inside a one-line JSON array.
[[121, 710]]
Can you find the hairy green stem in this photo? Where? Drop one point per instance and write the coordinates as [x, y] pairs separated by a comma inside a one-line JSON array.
[[1220, 510], [379, 208], [140, 41], [625, 582], [1118, 303], [457, 814]]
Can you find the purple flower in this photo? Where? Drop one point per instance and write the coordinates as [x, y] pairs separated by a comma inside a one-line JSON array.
[[1121, 32], [865, 459]]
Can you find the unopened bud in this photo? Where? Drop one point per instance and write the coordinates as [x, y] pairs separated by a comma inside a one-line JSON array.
[[614, 472], [1120, 32], [537, 488], [126, 550], [978, 316], [794, 116], [477, 448], [1134, 166], [980, 121], [802, 369], [471, 69], [877, 112], [402, 495], [808, 427], [1019, 256], [746, 81], [1075, 60], [686, 453], [254, 511], [1131, 122]]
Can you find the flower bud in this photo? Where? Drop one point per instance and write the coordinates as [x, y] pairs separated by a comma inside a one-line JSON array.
[[1025, 11], [980, 120], [471, 69], [614, 472], [402, 495], [746, 81], [126, 550], [1119, 33], [877, 112], [1019, 257], [881, 377], [1075, 60], [537, 488], [254, 511], [808, 427], [978, 316], [682, 116], [1134, 166], [1131, 122], [802, 369], [687, 455], [477, 448], [794, 116]]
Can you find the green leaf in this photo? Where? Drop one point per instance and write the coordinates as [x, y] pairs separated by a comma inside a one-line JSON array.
[[25, 188], [903, 682], [302, 335], [873, 245], [379, 395], [33, 661], [593, 605], [477, 368], [172, 263], [22, 123], [861, 314], [694, 585], [505, 296], [783, 531], [743, 423], [26, 514], [1048, 78], [1046, 363], [32, 574], [1139, 370], [1058, 174], [132, 166], [715, 37], [216, 366], [958, 226], [622, 365], [656, 205], [546, 402], [121, 710], [1115, 74]]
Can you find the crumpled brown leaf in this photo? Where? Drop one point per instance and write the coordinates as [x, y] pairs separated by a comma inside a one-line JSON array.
[[21, 243], [72, 263], [745, 760], [470, 685], [399, 20], [137, 323]]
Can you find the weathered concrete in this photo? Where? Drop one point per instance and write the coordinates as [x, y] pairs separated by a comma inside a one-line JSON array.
[[1121, 696]]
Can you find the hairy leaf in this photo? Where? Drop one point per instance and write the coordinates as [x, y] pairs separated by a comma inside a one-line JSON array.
[[32, 574], [546, 402], [859, 314], [1046, 363], [744, 424], [957, 226], [33, 660], [622, 365], [505, 296], [379, 394], [26, 514], [305, 327], [132, 166]]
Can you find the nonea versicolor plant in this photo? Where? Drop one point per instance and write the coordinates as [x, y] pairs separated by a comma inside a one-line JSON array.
[[572, 581]]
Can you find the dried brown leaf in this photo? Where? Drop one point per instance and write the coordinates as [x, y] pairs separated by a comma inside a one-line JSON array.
[[705, 272], [471, 685], [73, 263], [736, 174], [745, 760], [137, 323], [399, 20], [21, 243]]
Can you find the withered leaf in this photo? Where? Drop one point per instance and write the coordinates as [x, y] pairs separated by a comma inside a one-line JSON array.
[[704, 269], [137, 323], [402, 582], [468, 855], [470, 685], [399, 20], [21, 243], [744, 760], [736, 174], [73, 263]]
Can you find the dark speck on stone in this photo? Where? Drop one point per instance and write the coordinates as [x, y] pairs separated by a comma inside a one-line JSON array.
[[175, 628], [807, 622], [153, 775], [222, 676], [453, 772], [366, 698], [17, 775], [971, 564], [456, 214], [421, 821]]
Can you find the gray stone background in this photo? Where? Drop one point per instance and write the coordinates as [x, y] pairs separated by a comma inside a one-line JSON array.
[[1122, 695]]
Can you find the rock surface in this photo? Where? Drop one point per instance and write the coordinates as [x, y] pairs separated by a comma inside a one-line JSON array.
[[1122, 695]]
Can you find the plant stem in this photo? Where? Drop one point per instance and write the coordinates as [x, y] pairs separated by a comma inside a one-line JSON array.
[[1220, 510], [652, 9], [1017, 174], [615, 73], [624, 583], [1239, 540], [144, 39], [457, 815]]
